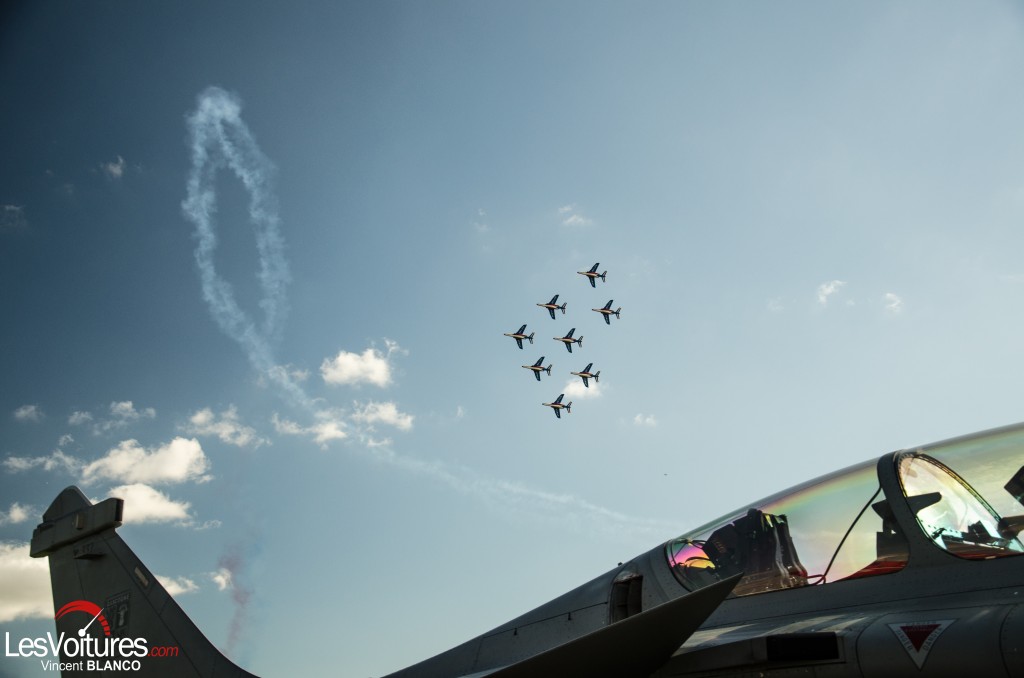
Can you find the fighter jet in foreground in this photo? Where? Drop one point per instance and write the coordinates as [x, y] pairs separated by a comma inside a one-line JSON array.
[[911, 565], [558, 406], [538, 367], [569, 341], [586, 374], [552, 305], [607, 311], [520, 335], [592, 274]]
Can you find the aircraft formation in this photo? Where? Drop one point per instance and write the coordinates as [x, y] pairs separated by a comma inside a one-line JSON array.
[[568, 339]]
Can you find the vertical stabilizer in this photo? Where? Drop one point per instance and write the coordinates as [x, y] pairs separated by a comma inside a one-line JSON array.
[[111, 612]]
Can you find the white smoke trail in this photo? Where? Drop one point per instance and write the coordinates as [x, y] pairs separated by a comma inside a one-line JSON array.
[[220, 139]]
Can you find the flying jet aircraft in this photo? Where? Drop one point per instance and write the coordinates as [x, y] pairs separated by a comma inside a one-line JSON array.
[[552, 305], [538, 367], [520, 335], [586, 374], [607, 311], [569, 341], [592, 274], [558, 406], [908, 565]]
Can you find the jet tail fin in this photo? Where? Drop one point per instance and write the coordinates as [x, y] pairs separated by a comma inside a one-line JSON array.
[[531, 337], [618, 311], [604, 276], [91, 568], [597, 375]]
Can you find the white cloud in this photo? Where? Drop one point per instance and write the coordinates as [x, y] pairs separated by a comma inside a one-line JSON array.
[[571, 217], [29, 413], [775, 305], [826, 290], [893, 303], [480, 223], [385, 413], [222, 578], [460, 412], [17, 514], [645, 420], [122, 413], [56, 460], [79, 418], [574, 388], [371, 366], [228, 428], [125, 411], [115, 169], [329, 426], [177, 586], [143, 504], [176, 462], [24, 584], [12, 219], [288, 373]]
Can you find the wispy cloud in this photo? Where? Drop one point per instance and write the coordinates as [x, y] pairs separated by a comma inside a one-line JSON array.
[[893, 303], [121, 414], [114, 169], [56, 460], [645, 420], [29, 413], [480, 222], [571, 216], [828, 289], [382, 413], [227, 427], [12, 219], [329, 426]]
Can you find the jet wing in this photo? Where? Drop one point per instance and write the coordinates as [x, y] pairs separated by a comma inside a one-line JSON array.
[[593, 269], [587, 368], [607, 319], [585, 382], [522, 330], [558, 413], [559, 399], [552, 312], [608, 306], [632, 648], [519, 341], [592, 282], [536, 374]]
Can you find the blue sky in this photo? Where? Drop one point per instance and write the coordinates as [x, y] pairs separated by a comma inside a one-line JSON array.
[[810, 215]]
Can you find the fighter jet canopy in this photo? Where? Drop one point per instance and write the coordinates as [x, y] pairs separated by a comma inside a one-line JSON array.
[[966, 495]]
